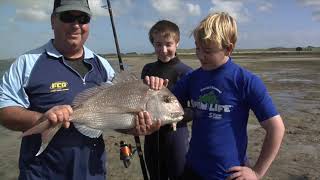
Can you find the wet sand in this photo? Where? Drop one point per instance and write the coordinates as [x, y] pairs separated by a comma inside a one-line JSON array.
[[294, 84]]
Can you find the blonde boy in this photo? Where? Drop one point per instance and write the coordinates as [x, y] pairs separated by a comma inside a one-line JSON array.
[[165, 149], [221, 94]]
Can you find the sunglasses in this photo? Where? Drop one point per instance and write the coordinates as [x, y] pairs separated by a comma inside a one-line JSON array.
[[67, 17]]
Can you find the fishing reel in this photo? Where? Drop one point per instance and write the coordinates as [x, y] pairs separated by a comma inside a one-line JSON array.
[[126, 153]]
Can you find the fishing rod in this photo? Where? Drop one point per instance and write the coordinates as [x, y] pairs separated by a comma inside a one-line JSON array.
[[136, 138], [115, 36]]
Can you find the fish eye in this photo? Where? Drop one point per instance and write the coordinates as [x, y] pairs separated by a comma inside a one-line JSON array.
[[167, 99]]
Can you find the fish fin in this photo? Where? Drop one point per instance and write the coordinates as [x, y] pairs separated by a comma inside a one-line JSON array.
[[88, 131], [86, 94], [124, 76], [39, 128], [47, 136]]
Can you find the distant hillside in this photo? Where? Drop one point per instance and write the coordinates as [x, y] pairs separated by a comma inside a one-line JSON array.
[[309, 50], [273, 49]]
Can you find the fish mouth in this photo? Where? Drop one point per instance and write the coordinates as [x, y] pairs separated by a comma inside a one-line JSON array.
[[170, 120], [178, 116]]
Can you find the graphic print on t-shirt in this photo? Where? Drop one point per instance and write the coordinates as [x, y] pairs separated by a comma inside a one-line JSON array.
[[209, 101]]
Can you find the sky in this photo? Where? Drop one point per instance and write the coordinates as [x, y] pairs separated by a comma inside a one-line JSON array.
[[25, 24]]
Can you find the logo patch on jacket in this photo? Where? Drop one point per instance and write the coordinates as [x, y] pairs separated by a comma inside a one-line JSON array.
[[59, 86]]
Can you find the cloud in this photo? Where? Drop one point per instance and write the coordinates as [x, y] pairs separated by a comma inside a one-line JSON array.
[[29, 10], [119, 7], [265, 6], [175, 8], [178, 10], [39, 10], [96, 7], [234, 8], [310, 2], [31, 15], [165, 6], [28, 4], [122, 7], [315, 5], [193, 9], [147, 24], [316, 15]]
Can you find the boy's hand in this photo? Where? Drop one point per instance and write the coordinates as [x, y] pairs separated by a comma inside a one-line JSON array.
[[242, 172], [156, 83]]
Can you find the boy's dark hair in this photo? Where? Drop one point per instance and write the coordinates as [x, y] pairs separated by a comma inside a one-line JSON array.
[[166, 29]]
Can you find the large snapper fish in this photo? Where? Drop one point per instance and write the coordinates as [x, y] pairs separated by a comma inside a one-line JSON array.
[[113, 106]]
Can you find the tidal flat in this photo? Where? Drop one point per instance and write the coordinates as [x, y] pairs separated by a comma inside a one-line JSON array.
[[294, 84]]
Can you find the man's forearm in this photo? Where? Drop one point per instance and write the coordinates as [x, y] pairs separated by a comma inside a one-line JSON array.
[[18, 118]]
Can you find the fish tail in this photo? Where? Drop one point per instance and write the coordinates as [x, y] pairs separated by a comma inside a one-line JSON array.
[[39, 128], [47, 136], [47, 133]]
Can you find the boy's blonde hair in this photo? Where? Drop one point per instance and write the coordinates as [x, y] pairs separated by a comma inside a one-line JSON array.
[[166, 29], [219, 28]]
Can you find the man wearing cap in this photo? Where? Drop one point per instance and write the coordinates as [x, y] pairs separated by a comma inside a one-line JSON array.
[[42, 83]]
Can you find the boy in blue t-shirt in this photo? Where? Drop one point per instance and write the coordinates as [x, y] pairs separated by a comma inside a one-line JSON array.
[[221, 95]]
